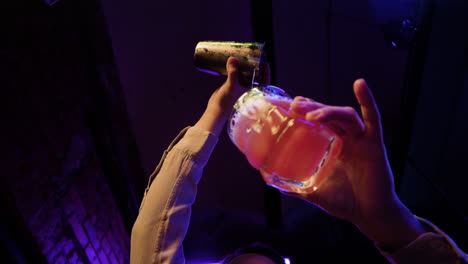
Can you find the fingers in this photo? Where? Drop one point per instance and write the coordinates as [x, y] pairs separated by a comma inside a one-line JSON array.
[[232, 68], [303, 99], [263, 76], [342, 120], [302, 105], [283, 103], [369, 109]]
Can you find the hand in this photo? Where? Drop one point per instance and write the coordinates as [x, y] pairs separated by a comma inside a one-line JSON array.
[[222, 100], [359, 187]]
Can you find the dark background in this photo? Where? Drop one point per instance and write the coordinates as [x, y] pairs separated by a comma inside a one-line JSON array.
[[96, 90]]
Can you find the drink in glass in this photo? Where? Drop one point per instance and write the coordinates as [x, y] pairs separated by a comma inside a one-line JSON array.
[[292, 154]]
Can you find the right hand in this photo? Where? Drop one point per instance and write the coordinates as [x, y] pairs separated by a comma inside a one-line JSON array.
[[359, 187], [222, 100]]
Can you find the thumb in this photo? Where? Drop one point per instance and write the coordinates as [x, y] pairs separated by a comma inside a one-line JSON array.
[[369, 110], [232, 68]]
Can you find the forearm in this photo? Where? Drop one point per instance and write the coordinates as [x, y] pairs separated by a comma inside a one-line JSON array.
[[395, 228], [213, 120]]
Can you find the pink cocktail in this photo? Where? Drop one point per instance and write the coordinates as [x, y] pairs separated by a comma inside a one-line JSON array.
[[291, 154]]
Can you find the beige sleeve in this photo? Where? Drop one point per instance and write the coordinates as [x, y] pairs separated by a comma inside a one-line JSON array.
[[433, 247], [164, 216]]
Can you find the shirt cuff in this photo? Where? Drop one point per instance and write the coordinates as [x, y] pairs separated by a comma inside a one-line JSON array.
[[433, 246]]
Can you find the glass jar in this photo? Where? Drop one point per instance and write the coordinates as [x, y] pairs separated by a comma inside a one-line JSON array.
[[292, 154]]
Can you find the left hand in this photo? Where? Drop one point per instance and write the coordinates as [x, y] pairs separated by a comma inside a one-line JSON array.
[[223, 99]]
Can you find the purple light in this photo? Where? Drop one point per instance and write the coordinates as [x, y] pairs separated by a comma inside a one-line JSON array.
[[51, 2], [287, 261], [202, 262]]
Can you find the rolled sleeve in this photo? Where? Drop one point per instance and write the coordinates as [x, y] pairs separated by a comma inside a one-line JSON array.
[[432, 247], [198, 143]]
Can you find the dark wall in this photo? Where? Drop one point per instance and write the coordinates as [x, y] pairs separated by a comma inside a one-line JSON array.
[[62, 161], [435, 181]]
